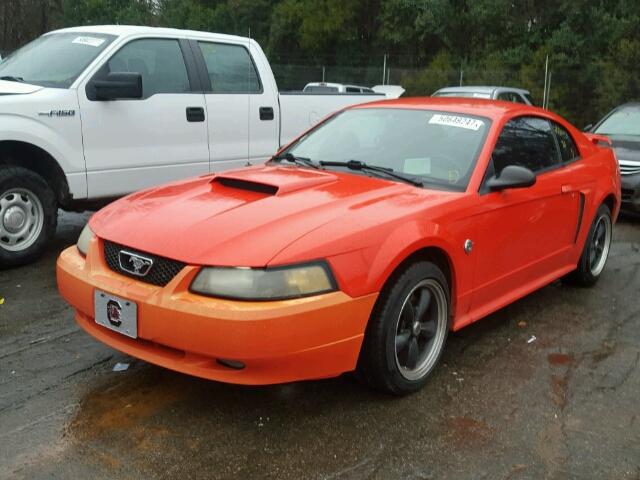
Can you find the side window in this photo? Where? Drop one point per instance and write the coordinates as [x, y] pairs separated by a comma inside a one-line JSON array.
[[510, 97], [230, 68], [159, 61], [353, 90], [568, 148], [528, 142]]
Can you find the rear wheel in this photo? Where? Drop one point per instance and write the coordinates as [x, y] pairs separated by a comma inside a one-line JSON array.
[[595, 252], [28, 216], [407, 331]]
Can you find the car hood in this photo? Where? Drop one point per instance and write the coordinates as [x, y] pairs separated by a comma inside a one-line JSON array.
[[16, 88], [245, 217], [627, 147]]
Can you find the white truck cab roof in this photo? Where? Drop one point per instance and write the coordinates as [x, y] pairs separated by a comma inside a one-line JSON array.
[[133, 30]]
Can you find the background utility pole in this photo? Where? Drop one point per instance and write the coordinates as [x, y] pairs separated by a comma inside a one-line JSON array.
[[544, 91], [384, 69]]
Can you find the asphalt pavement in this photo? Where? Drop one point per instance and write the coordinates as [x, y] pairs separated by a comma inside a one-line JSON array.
[[547, 388]]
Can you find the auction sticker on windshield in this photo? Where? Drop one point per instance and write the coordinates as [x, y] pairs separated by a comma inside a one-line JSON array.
[[91, 41], [456, 121]]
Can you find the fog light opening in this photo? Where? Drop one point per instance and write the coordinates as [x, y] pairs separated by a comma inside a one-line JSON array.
[[235, 364]]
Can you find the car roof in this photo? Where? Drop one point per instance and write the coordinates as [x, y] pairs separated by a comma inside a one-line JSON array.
[[323, 84], [131, 30], [492, 109], [628, 104], [335, 85], [480, 89]]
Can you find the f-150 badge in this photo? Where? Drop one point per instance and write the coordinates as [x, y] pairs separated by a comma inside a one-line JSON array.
[[58, 113]]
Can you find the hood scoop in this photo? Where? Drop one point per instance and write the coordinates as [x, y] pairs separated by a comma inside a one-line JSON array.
[[267, 180], [246, 185]]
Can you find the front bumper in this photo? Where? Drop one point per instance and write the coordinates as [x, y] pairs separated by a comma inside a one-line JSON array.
[[278, 342], [631, 192]]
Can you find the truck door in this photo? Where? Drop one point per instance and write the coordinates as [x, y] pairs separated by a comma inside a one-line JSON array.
[[243, 112], [136, 143]]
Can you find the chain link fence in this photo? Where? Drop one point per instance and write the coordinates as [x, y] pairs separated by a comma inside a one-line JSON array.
[[582, 95]]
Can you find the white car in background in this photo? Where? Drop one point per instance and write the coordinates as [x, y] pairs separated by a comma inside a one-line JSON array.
[[324, 87], [517, 95], [92, 113]]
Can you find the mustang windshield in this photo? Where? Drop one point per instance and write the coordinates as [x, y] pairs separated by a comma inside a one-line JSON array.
[[437, 148], [54, 60]]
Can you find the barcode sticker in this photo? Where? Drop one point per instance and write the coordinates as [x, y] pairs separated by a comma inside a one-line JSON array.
[[456, 121]]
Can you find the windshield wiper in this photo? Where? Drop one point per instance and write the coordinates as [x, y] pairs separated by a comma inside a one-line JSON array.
[[11, 78], [289, 157], [358, 165]]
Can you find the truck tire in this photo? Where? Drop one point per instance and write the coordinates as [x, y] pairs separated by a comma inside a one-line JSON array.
[[28, 216]]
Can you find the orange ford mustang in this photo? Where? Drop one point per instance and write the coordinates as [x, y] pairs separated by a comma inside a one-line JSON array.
[[357, 247]]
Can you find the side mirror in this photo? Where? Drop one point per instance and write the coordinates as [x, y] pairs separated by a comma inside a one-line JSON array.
[[117, 85], [512, 176]]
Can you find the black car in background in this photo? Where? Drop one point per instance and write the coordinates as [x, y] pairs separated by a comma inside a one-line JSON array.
[[622, 126]]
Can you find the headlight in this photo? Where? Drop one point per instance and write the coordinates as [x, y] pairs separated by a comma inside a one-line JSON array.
[[84, 239], [277, 283]]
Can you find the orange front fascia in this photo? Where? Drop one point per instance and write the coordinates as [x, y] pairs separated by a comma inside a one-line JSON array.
[[279, 341]]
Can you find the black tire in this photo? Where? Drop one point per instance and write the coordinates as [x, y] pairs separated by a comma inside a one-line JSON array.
[[379, 364], [38, 199], [585, 275]]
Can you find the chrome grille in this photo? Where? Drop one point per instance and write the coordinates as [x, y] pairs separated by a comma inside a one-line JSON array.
[[629, 167], [162, 271]]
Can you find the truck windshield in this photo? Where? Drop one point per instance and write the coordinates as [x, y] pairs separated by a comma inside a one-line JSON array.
[[54, 60], [437, 148]]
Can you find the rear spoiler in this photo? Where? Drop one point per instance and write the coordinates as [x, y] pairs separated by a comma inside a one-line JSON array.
[[389, 91], [598, 139]]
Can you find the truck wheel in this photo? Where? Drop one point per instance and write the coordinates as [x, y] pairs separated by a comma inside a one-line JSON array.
[[28, 216]]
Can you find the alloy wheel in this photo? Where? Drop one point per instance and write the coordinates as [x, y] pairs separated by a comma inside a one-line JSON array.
[[421, 329], [600, 244]]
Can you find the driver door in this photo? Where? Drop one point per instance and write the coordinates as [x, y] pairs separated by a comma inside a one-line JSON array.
[[524, 235], [132, 144]]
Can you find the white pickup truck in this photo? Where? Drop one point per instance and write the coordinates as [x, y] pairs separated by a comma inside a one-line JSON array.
[[89, 114]]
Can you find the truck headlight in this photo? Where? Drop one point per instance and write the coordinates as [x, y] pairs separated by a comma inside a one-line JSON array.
[[278, 283], [83, 240]]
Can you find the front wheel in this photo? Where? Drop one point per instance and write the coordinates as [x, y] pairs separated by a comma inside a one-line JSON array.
[[407, 331], [595, 252], [28, 216]]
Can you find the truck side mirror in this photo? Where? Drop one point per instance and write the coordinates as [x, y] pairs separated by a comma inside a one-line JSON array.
[[116, 86]]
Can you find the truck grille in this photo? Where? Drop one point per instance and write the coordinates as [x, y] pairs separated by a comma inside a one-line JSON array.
[[161, 272]]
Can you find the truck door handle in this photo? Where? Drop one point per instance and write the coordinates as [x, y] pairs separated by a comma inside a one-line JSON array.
[[567, 188], [266, 113], [195, 114]]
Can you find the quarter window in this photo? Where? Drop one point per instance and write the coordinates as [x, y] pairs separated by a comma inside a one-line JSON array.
[[230, 68], [159, 61], [528, 142], [567, 146]]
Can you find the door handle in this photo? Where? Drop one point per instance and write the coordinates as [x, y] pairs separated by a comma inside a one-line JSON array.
[[567, 189], [266, 113], [195, 114]]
